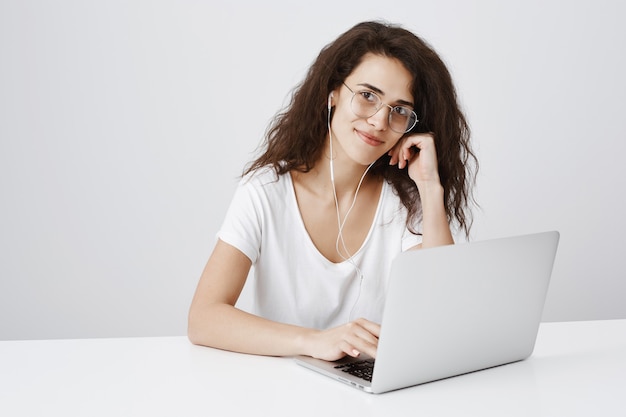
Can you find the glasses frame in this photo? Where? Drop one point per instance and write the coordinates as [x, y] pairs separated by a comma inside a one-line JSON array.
[[380, 106]]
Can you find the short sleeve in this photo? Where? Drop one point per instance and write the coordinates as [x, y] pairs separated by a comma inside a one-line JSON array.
[[243, 222]]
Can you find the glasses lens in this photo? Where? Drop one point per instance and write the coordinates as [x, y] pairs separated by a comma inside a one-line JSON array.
[[365, 103], [402, 119]]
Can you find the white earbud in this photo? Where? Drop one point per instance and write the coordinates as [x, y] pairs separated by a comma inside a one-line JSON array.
[[341, 223], [332, 168]]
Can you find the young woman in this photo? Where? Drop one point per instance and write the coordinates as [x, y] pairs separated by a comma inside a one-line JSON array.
[[371, 158]]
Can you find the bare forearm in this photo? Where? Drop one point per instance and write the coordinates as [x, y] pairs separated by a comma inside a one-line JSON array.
[[226, 327], [436, 229]]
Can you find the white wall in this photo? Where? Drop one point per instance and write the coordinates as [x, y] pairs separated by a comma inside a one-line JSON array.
[[120, 147]]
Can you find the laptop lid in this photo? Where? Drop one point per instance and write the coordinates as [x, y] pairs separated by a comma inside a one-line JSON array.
[[456, 309]]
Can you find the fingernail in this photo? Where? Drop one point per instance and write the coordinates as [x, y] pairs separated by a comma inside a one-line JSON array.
[[356, 352]]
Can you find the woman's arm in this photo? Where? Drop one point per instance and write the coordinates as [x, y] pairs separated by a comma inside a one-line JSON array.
[[435, 226], [214, 321], [423, 169]]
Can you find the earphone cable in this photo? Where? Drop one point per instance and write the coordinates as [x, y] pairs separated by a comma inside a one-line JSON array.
[[340, 223]]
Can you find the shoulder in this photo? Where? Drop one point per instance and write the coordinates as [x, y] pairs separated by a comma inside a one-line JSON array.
[[265, 181], [260, 176]]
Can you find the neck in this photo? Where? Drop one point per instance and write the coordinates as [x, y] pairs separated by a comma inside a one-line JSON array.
[[341, 172]]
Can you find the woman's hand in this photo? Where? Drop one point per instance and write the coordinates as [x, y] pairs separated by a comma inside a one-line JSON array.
[[353, 339], [419, 153]]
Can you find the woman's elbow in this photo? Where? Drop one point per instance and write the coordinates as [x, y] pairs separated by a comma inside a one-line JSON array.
[[194, 332]]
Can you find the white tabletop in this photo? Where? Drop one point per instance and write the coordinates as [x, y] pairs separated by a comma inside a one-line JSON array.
[[577, 369]]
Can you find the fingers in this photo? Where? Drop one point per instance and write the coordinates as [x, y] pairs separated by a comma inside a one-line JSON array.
[[396, 153], [362, 337], [418, 154], [353, 339], [404, 151], [370, 326]]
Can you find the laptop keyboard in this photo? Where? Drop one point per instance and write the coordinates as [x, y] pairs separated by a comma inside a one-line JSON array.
[[361, 369]]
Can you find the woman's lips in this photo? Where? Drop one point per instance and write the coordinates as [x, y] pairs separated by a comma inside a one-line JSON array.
[[369, 139]]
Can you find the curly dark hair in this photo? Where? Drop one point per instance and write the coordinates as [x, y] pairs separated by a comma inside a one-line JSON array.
[[295, 139]]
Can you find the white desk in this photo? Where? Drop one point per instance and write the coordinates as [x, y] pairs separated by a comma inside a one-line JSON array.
[[577, 369]]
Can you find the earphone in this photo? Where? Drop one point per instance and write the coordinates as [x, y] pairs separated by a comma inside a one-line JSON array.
[[342, 223], [332, 170]]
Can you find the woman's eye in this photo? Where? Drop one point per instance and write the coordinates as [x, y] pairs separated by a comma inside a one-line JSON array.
[[402, 111], [369, 96]]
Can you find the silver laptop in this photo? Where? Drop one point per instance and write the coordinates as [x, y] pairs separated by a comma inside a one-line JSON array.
[[452, 310]]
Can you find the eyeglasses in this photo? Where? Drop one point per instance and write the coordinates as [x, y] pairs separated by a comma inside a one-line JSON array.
[[366, 103]]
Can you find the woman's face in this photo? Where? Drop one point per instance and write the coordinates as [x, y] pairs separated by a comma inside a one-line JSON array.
[[365, 139]]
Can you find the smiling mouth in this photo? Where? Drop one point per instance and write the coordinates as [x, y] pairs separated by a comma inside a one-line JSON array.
[[370, 140]]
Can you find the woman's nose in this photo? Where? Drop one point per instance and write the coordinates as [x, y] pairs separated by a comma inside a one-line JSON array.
[[380, 119]]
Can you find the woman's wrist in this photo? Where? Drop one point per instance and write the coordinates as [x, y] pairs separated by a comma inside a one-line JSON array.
[[430, 189], [436, 229], [303, 341]]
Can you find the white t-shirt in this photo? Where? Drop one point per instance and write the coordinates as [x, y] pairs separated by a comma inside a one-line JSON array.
[[295, 283]]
